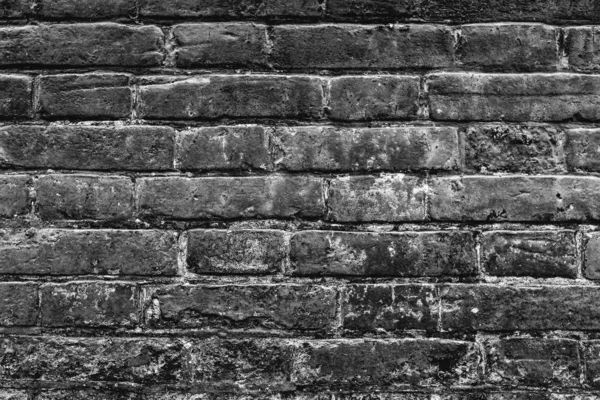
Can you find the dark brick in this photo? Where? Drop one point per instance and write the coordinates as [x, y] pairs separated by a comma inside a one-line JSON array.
[[84, 197], [14, 195], [88, 9], [383, 254], [513, 148], [231, 8], [360, 98], [366, 149], [362, 46], [94, 359], [591, 352], [581, 48], [220, 96], [19, 304], [392, 10], [220, 44], [81, 252], [539, 254], [235, 251], [581, 149], [513, 97], [15, 96], [85, 96], [391, 198], [515, 198], [509, 46], [509, 308], [532, 362], [591, 255], [224, 147], [389, 308], [354, 363], [230, 197], [97, 44], [305, 308], [87, 147], [15, 8], [90, 304]]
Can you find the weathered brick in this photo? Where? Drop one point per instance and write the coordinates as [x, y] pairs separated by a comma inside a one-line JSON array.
[[362, 46], [366, 149], [9, 394], [81, 252], [90, 304], [19, 305], [538, 254], [235, 251], [84, 197], [85, 96], [581, 48], [224, 147], [219, 96], [514, 97], [383, 254], [591, 357], [15, 8], [96, 44], [389, 308], [509, 46], [515, 198], [591, 255], [532, 362], [87, 147], [581, 149], [15, 96], [95, 359], [513, 148], [221, 44], [509, 308], [304, 308], [360, 98], [391, 198], [231, 8], [87, 9], [393, 10], [376, 362], [229, 197], [14, 195]]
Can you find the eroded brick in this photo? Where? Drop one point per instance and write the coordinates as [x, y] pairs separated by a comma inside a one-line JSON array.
[[88, 9], [582, 149], [19, 305], [14, 195], [15, 96], [231, 8], [582, 49]]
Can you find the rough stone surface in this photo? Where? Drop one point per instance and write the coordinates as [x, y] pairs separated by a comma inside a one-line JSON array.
[[19, 304], [230, 8], [15, 96], [15, 196]]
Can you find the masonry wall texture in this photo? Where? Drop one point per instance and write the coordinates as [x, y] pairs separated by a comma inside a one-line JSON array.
[[300, 199]]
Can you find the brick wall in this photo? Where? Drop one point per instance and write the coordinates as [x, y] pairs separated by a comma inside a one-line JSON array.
[[299, 199]]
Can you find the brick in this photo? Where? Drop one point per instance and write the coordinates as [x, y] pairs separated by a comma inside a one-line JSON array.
[[14, 8], [19, 304], [85, 96], [591, 255], [84, 197], [87, 9], [590, 352], [509, 308], [81, 252], [224, 147], [95, 359], [581, 149], [235, 251], [14, 195], [514, 97], [377, 362], [405, 254], [360, 98], [370, 9], [514, 148], [230, 197], [15, 96], [366, 149], [266, 307], [95, 44], [344, 46], [9, 394], [222, 96], [137, 148], [538, 254], [514, 198], [221, 44], [231, 8], [582, 51], [532, 362], [90, 304], [389, 308], [391, 198], [509, 46]]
